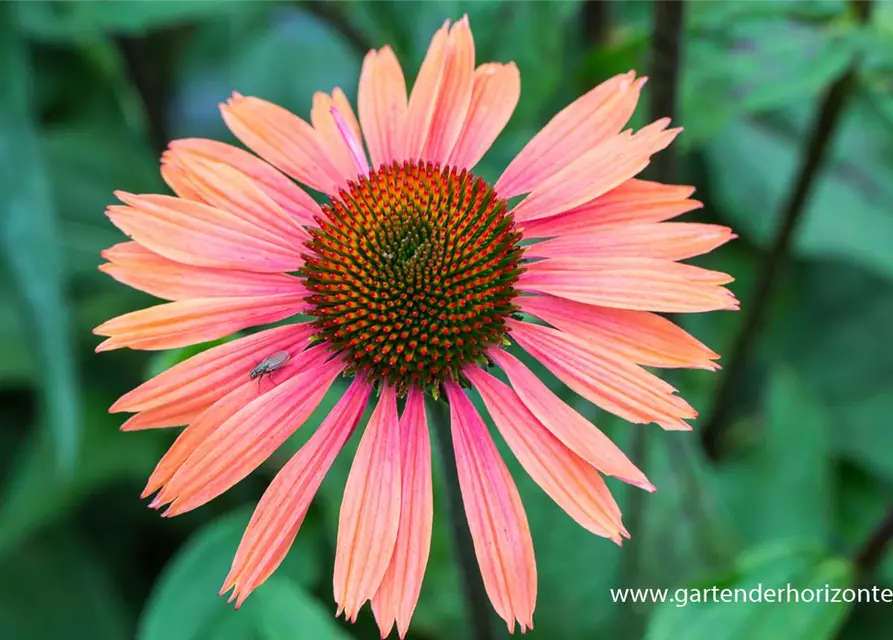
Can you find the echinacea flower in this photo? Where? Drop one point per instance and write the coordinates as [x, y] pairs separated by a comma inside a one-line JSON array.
[[416, 275]]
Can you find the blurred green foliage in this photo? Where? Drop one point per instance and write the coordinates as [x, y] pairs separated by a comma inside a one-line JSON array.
[[92, 89]]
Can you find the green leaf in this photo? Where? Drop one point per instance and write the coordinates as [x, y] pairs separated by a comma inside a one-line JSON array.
[[185, 606], [55, 586], [847, 217], [699, 612], [81, 20], [31, 248]]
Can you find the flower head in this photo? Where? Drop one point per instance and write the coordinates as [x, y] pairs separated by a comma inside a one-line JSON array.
[[415, 274]]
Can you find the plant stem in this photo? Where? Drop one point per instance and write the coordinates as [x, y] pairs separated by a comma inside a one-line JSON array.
[[870, 554], [336, 17], [822, 132], [596, 22], [476, 601]]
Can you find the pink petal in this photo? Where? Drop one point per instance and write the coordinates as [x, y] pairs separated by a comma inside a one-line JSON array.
[[284, 140], [327, 128], [497, 88], [382, 106], [586, 123], [246, 439], [208, 376], [646, 284], [370, 510], [664, 240], [639, 336], [495, 515], [616, 385], [186, 322], [569, 480], [211, 419], [399, 590], [283, 191], [196, 234], [137, 267], [281, 510], [423, 100], [601, 169], [634, 201], [224, 187], [453, 96], [163, 417], [573, 430]]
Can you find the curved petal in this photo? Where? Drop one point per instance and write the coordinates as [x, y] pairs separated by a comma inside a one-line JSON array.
[[634, 201], [283, 191], [281, 511], [423, 100], [382, 105], [495, 515], [586, 123], [246, 439], [208, 376], [454, 95], [494, 97], [196, 234], [210, 420], [601, 169], [282, 139], [186, 322], [664, 240], [573, 430], [570, 481], [399, 590], [224, 187], [370, 510], [639, 336], [132, 264], [163, 417], [645, 284], [625, 389], [326, 126]]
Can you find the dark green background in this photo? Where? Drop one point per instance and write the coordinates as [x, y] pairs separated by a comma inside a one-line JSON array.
[[93, 90]]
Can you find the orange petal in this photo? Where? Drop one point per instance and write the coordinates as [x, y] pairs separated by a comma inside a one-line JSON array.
[[282, 139], [186, 322], [573, 430], [399, 591], [585, 123], [495, 515], [282, 509], [664, 240], [569, 480], [603, 168], [646, 284], [224, 187], [453, 96], [634, 201], [208, 376], [137, 267], [370, 510], [246, 439], [283, 191], [218, 413], [423, 100], [497, 88], [382, 106], [196, 234], [163, 417], [614, 384], [332, 138], [639, 336]]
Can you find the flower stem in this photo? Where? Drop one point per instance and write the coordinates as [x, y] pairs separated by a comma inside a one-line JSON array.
[[870, 554], [823, 129], [476, 602]]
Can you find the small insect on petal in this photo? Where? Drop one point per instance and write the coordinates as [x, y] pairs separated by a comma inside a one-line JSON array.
[[268, 365]]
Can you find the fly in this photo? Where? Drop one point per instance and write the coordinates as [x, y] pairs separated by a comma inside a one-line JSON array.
[[268, 365]]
